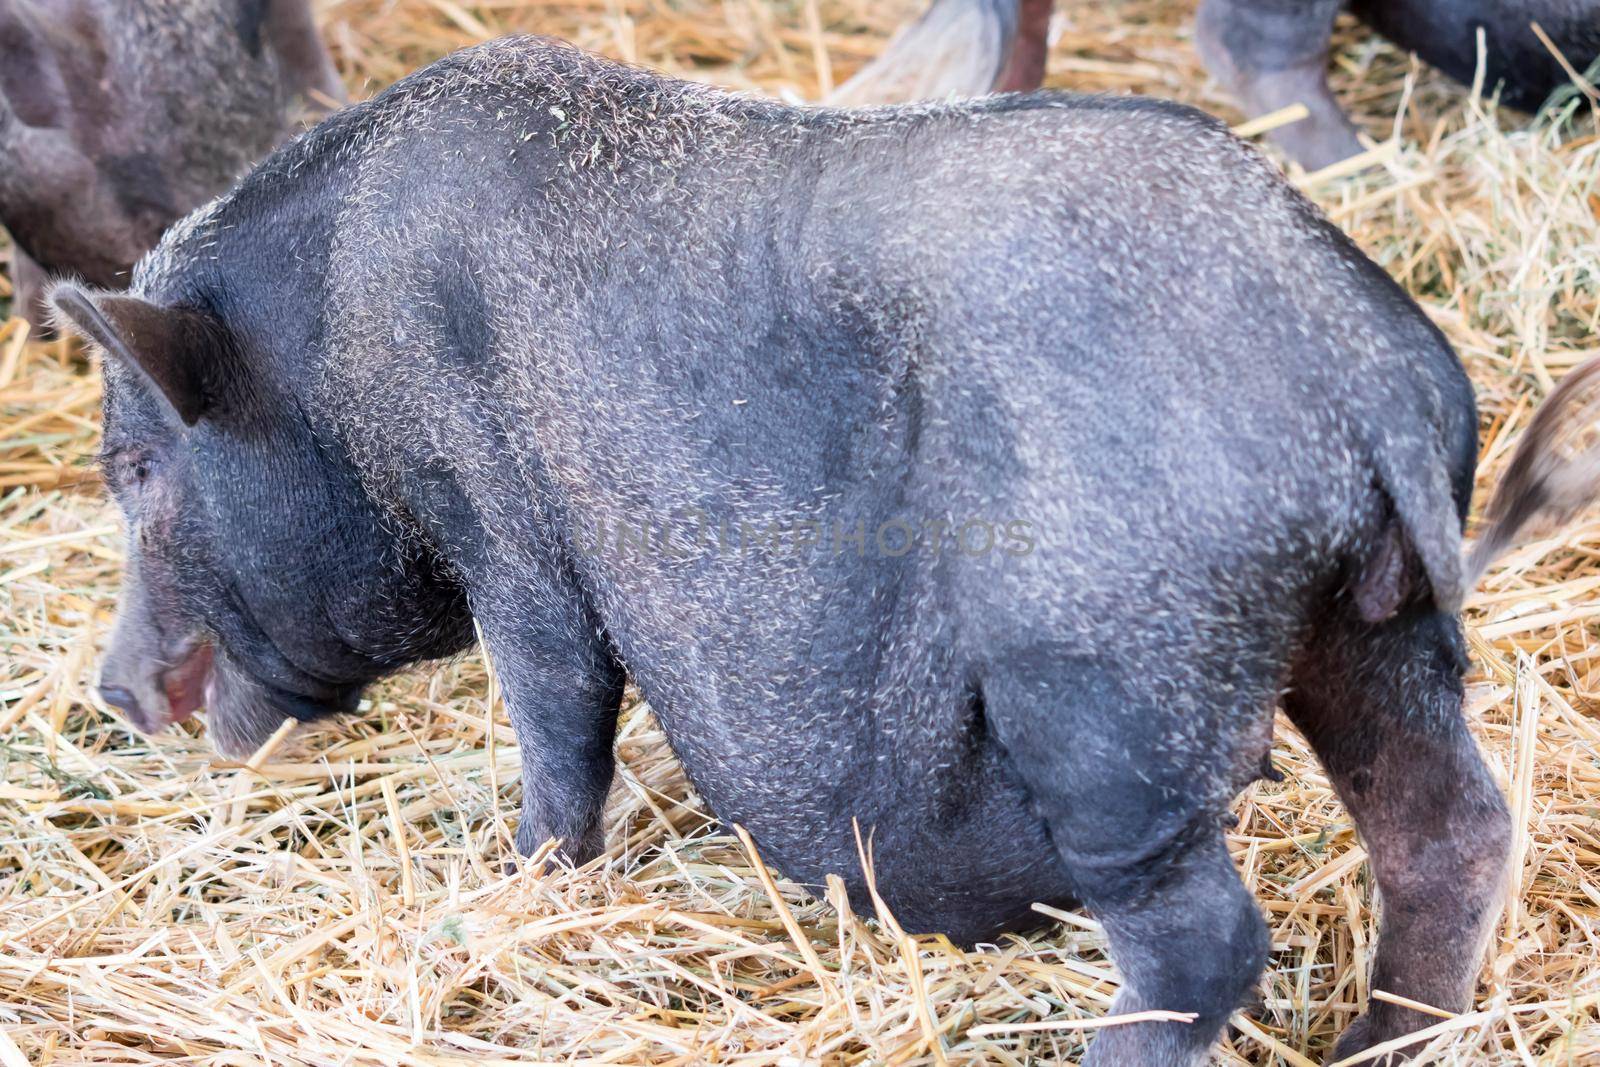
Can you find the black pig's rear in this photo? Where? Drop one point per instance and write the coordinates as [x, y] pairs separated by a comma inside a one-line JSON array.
[[976, 475]]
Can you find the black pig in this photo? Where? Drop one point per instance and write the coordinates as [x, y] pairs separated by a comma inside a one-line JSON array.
[[1269, 53], [118, 117], [431, 362]]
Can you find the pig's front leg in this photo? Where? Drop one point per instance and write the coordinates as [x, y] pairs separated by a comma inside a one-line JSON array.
[[562, 687], [1274, 53]]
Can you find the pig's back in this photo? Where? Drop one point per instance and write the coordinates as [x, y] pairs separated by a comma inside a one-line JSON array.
[[1132, 332]]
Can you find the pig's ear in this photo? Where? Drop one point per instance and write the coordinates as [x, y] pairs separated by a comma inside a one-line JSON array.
[[172, 346]]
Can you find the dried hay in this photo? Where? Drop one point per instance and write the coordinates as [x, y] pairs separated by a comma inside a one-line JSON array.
[[340, 898]]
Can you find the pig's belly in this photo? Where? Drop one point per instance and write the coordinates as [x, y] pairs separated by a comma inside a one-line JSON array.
[[956, 850]]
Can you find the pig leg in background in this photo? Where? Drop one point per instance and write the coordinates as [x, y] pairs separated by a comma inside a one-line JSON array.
[[562, 687], [957, 48], [1030, 48], [311, 73], [1144, 850], [1273, 53], [29, 283], [1381, 704]]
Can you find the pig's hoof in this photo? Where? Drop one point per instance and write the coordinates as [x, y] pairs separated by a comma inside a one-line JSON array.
[[570, 853], [552, 863], [1362, 1035], [1316, 144]]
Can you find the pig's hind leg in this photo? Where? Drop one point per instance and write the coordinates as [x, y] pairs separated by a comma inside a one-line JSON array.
[[1381, 704], [1271, 54], [1133, 818]]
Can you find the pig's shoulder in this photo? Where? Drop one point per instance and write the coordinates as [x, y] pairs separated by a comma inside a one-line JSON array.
[[524, 75]]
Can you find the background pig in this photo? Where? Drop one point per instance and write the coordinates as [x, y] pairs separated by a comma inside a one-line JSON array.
[[1269, 53], [539, 296], [117, 117]]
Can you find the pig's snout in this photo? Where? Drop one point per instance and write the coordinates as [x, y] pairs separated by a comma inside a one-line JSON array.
[[153, 695], [124, 701], [157, 664]]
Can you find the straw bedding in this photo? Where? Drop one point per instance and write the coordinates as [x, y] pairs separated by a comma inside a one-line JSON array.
[[341, 898]]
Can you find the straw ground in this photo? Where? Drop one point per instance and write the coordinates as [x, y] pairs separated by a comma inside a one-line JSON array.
[[339, 899]]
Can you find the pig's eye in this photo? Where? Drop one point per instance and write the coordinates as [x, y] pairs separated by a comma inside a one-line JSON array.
[[129, 469]]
